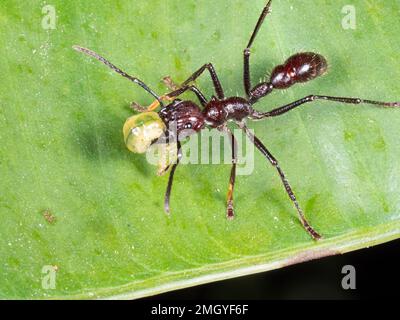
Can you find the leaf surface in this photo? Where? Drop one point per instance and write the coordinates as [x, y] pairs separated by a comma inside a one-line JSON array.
[[74, 198]]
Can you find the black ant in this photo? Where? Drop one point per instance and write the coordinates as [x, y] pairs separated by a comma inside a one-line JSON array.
[[301, 67]]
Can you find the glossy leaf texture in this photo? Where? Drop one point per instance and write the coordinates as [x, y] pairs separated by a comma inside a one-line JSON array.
[[73, 199]]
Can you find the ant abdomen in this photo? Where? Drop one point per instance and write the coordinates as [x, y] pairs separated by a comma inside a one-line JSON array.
[[300, 67]]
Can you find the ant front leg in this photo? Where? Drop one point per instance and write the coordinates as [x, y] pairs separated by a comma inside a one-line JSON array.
[[229, 199], [139, 108], [217, 84], [260, 146], [170, 84], [286, 108], [177, 91]]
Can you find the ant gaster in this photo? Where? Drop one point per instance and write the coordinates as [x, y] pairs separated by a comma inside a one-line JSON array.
[[301, 67]]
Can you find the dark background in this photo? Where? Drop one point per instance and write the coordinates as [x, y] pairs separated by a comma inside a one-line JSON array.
[[376, 277]]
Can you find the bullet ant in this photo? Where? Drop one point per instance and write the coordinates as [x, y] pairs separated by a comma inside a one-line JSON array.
[[142, 130]]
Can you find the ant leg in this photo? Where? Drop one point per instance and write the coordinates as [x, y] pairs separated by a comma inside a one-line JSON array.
[[170, 96], [154, 105], [217, 85], [229, 198], [199, 95], [259, 145], [170, 179], [139, 108], [117, 70], [192, 88], [281, 110], [246, 52], [170, 84], [178, 91]]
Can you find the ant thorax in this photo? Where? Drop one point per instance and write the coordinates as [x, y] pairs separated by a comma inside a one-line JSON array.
[[217, 112]]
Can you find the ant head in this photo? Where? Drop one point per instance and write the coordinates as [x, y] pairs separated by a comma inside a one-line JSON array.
[[183, 117], [141, 130]]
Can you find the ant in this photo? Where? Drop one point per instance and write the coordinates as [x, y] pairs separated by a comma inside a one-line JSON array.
[[220, 110]]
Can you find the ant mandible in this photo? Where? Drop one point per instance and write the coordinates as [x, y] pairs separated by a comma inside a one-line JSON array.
[[217, 111]]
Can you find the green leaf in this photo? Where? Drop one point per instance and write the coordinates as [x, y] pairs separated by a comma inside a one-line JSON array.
[[72, 196]]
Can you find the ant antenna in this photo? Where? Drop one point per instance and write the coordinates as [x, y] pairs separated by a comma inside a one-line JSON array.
[[117, 70]]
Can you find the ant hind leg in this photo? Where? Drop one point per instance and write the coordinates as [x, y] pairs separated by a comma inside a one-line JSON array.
[[260, 146], [286, 108]]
